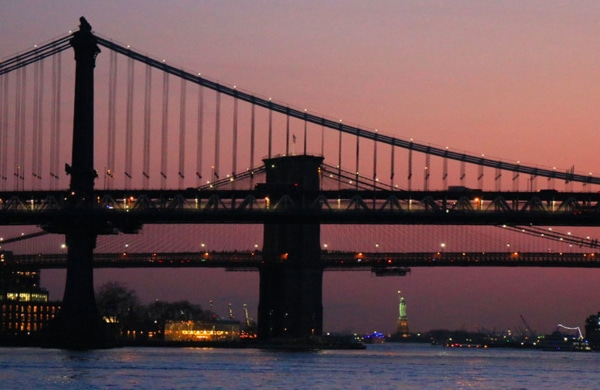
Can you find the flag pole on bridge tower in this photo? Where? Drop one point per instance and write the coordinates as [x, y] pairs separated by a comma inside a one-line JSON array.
[[79, 325]]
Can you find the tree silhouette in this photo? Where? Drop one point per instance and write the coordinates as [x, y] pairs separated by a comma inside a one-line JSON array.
[[117, 303]]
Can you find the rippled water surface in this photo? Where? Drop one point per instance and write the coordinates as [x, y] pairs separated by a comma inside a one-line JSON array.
[[387, 366]]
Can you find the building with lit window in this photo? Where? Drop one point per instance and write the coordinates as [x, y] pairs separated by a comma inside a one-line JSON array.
[[223, 331], [24, 305], [26, 317]]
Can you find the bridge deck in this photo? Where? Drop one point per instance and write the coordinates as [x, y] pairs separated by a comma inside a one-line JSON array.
[[129, 209], [333, 261]]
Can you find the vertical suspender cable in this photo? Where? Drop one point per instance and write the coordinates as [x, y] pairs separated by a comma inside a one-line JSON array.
[[165, 123], [20, 128], [392, 167], [426, 174], [112, 124], [356, 171], [3, 130], [340, 157], [375, 160], [182, 99], [23, 128], [270, 140], [38, 83], [217, 137], [498, 178], [147, 127], [199, 129], [480, 176], [40, 138], [305, 131], [58, 107], [252, 136], [35, 122], [55, 119], [17, 139], [375, 180], [445, 173], [463, 172], [235, 137], [322, 140], [410, 152], [287, 133], [129, 124]]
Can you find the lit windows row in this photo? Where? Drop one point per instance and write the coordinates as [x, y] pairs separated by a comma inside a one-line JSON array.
[[27, 297], [27, 317], [9, 308]]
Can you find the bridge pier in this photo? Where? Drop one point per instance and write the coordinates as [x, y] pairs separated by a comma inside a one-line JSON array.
[[78, 325], [291, 278]]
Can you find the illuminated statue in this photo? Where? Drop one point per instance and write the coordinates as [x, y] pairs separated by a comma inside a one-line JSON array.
[[402, 307], [402, 325]]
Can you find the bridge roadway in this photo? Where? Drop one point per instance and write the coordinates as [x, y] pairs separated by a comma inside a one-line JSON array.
[[128, 210], [381, 264]]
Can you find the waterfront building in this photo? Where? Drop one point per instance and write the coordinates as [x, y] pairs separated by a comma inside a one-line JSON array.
[[218, 331], [592, 331], [25, 306], [26, 317]]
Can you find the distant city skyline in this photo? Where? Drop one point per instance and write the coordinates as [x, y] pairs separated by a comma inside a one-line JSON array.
[[511, 79]]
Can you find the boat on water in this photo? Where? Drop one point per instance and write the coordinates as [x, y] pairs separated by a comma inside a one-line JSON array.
[[559, 341], [374, 338]]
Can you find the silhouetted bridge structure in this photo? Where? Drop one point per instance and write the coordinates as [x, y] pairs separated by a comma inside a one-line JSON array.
[[290, 194], [381, 264], [129, 209]]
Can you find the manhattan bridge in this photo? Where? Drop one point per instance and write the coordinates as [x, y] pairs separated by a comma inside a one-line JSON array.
[[153, 145]]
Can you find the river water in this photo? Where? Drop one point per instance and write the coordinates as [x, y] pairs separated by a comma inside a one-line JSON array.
[[385, 366]]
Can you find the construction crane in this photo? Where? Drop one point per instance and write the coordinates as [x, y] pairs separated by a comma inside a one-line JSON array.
[[528, 330], [248, 321], [211, 304]]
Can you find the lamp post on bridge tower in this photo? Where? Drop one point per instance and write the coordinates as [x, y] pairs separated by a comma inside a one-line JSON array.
[[79, 325]]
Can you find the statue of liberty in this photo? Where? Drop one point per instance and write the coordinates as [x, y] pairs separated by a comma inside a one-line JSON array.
[[402, 325]]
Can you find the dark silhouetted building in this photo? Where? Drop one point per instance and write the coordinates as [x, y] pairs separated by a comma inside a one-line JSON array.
[[592, 331]]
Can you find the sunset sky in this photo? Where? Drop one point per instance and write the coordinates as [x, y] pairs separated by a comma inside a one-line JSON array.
[[514, 80]]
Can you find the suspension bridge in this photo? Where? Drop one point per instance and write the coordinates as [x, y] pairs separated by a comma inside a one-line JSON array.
[[195, 151]]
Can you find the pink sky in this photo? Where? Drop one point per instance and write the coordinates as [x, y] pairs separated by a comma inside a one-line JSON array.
[[513, 79]]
